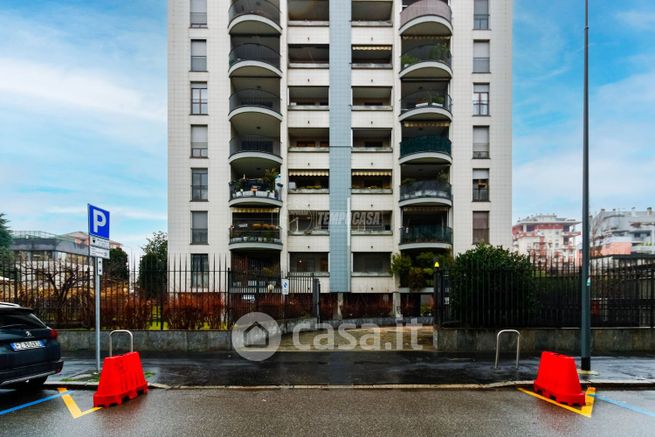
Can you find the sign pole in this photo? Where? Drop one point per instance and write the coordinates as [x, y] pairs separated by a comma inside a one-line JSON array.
[[97, 264], [99, 249]]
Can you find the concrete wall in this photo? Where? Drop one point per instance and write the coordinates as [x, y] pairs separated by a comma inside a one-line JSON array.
[[534, 341]]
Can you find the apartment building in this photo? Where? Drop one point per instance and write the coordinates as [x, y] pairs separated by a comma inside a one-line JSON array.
[[547, 239], [620, 232], [323, 136]]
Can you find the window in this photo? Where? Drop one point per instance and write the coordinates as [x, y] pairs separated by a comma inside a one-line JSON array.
[[481, 99], [309, 262], [198, 13], [480, 227], [199, 184], [481, 142], [371, 262], [481, 15], [200, 270], [199, 98], [199, 141], [481, 185], [198, 55], [481, 57], [199, 227]]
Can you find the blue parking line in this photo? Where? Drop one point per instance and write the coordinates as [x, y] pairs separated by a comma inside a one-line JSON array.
[[38, 401], [626, 406]]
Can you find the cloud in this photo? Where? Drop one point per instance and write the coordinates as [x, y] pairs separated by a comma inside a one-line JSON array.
[[638, 19], [116, 211]]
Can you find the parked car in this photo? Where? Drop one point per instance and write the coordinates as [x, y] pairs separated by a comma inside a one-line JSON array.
[[29, 350]]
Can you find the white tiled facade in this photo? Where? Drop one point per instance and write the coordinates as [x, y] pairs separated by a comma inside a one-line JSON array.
[[386, 32]]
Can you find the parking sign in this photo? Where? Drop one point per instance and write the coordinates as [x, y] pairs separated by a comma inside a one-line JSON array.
[[98, 222]]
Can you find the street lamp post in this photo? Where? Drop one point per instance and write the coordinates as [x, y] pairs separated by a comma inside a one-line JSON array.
[[585, 282]]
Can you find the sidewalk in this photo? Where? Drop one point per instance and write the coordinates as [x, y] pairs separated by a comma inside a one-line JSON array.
[[285, 369]]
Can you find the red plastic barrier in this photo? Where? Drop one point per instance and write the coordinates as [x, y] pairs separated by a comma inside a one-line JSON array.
[[122, 377], [558, 380]]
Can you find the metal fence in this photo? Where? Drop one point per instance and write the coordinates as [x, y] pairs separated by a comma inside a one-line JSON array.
[[547, 295]]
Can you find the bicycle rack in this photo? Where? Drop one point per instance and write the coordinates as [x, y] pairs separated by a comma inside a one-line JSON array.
[[518, 344], [123, 331]]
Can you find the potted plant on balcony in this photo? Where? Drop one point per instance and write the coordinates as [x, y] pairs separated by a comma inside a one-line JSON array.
[[407, 60], [270, 174], [438, 101]]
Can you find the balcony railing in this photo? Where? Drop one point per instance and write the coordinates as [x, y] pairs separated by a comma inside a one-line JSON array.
[[426, 99], [423, 8], [253, 189], [198, 63], [255, 143], [426, 234], [481, 21], [426, 189], [262, 8], [425, 53], [255, 97], [425, 144], [252, 235], [199, 149], [198, 19], [481, 65], [255, 52], [199, 236]]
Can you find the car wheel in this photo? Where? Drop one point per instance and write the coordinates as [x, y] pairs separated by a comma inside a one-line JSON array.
[[33, 384]]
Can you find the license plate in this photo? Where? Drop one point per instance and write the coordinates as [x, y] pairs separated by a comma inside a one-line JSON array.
[[26, 345]]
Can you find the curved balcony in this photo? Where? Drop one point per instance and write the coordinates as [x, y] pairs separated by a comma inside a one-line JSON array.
[[430, 192], [255, 107], [426, 104], [254, 17], [425, 237], [426, 17], [426, 149], [254, 192], [251, 238], [254, 151], [426, 61], [252, 59]]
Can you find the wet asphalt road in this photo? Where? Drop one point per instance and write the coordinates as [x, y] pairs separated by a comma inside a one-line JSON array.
[[329, 412]]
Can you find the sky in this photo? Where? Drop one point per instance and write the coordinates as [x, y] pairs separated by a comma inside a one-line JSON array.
[[83, 111]]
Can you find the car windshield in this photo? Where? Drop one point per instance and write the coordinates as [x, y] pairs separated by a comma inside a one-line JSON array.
[[19, 320]]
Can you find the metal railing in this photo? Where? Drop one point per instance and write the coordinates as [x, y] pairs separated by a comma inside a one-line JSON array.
[[426, 99], [481, 65], [254, 143], [198, 63], [198, 19], [262, 8], [426, 189], [423, 8], [254, 52], [481, 22], [425, 143], [426, 234], [254, 191], [250, 235], [255, 98], [424, 53]]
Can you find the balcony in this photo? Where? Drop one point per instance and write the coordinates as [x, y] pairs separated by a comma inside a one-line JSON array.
[[258, 150], [426, 105], [425, 237], [254, 107], [426, 17], [312, 12], [425, 192], [254, 192], [255, 236], [254, 17], [425, 149], [256, 60], [426, 61]]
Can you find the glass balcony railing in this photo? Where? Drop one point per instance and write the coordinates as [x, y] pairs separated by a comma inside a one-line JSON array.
[[425, 144], [255, 52], [255, 143], [252, 233], [425, 53], [262, 8], [424, 8], [255, 98], [426, 234], [426, 99], [426, 189], [254, 189]]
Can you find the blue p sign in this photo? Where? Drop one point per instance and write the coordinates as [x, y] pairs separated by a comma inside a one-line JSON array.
[[98, 222]]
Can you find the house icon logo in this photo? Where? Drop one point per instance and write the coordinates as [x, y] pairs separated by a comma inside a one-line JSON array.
[[256, 336]]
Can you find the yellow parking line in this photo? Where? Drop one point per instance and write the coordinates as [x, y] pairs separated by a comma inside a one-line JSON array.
[[72, 406], [584, 411]]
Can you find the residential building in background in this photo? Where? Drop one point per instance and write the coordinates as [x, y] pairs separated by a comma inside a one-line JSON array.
[[40, 246], [321, 137], [618, 232], [547, 238]]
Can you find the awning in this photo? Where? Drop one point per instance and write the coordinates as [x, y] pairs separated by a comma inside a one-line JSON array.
[[256, 210], [431, 37], [425, 209], [426, 124], [372, 48], [371, 173], [309, 172]]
